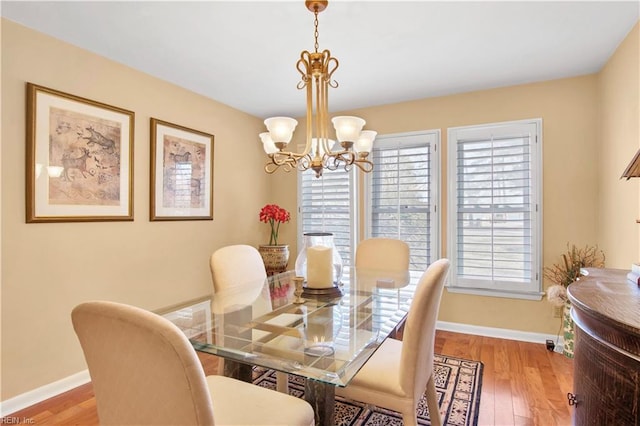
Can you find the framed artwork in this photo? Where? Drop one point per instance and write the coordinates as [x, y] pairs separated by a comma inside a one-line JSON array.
[[79, 159], [181, 173]]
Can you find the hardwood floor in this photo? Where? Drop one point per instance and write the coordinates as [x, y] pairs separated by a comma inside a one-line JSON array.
[[523, 384]]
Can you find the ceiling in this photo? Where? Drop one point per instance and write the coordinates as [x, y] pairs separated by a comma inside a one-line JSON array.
[[243, 53]]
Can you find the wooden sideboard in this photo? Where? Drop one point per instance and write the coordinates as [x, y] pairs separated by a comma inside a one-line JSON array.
[[606, 314]]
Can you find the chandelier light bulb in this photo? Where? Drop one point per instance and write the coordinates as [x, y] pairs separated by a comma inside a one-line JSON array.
[[267, 143], [348, 128], [365, 141], [281, 128]]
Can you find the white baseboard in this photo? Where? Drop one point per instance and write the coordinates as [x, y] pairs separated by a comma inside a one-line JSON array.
[[37, 395], [501, 333]]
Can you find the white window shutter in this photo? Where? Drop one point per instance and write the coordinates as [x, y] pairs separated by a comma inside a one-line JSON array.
[[403, 193], [325, 205], [493, 198]]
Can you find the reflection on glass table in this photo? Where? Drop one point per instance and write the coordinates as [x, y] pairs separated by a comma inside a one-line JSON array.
[[325, 341]]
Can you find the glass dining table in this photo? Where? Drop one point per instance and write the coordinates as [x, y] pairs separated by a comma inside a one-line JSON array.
[[324, 339]]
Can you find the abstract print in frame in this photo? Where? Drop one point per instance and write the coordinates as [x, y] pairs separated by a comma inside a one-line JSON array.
[[79, 158], [181, 173]]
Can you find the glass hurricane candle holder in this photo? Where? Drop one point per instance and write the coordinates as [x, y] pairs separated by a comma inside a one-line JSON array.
[[319, 261]]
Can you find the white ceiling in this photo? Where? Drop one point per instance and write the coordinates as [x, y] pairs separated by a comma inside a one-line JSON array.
[[243, 53]]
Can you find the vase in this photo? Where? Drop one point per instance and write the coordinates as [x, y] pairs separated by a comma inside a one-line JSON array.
[[567, 325], [275, 258]]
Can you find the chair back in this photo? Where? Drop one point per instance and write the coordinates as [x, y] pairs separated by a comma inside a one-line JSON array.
[[418, 340], [237, 265], [143, 369], [383, 253]]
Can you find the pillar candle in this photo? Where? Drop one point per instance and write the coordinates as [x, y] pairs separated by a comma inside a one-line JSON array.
[[319, 267], [320, 327]]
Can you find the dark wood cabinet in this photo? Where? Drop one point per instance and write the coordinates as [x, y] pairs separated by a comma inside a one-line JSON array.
[[606, 314]]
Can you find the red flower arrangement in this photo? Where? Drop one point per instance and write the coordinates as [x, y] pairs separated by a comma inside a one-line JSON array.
[[274, 215]]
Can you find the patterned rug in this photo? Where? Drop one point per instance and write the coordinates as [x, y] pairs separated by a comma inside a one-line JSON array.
[[458, 384]]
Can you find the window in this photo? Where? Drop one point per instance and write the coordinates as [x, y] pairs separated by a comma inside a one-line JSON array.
[[327, 204], [494, 200], [403, 193]]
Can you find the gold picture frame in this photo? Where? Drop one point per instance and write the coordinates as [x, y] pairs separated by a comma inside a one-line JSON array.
[[181, 173], [79, 159]]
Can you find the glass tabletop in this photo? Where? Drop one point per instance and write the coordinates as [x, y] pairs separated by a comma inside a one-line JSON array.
[[325, 340]]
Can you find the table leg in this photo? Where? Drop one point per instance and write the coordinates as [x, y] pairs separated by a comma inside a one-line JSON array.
[[237, 370], [321, 396]]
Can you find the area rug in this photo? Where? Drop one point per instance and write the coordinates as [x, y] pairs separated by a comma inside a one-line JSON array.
[[458, 384]]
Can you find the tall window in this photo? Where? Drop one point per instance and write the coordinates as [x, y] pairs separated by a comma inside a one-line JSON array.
[[328, 204], [494, 180], [403, 193]]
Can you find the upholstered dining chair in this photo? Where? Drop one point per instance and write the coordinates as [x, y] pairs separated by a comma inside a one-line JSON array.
[[400, 372], [235, 266], [145, 372], [383, 253], [388, 255]]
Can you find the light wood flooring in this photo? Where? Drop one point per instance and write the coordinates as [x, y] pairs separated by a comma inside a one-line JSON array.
[[523, 384]]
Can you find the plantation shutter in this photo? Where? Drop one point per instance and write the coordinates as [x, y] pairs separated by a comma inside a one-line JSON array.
[[493, 206], [325, 206], [403, 194]]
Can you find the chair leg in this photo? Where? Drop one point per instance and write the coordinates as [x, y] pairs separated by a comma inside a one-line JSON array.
[[432, 403], [282, 382], [409, 419]]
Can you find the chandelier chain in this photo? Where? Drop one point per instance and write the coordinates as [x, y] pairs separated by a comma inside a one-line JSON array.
[[316, 33]]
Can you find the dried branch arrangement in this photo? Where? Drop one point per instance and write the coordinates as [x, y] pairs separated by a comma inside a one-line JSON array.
[[568, 271]]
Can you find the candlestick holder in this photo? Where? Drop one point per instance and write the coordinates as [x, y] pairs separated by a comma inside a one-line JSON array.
[[298, 291]]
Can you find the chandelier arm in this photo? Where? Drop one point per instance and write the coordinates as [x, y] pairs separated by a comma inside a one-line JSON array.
[[347, 157], [282, 157], [309, 129], [303, 65], [318, 116], [331, 164], [325, 114], [304, 163], [287, 162], [272, 167], [364, 165], [331, 61]]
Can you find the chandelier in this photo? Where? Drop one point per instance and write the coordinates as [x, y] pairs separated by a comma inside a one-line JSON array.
[[353, 144]]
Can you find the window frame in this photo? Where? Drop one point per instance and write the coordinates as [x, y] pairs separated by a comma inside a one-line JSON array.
[[410, 139], [353, 212], [533, 289]]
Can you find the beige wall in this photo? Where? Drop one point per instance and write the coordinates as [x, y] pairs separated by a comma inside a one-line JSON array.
[[568, 109], [49, 268], [619, 139]]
